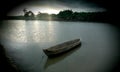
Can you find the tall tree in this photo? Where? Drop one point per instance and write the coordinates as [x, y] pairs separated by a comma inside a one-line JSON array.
[[66, 14]]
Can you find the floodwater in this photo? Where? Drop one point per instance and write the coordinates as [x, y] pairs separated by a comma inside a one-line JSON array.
[[25, 41]]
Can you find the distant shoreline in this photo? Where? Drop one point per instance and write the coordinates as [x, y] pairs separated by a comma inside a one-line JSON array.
[[14, 18], [66, 15], [56, 20]]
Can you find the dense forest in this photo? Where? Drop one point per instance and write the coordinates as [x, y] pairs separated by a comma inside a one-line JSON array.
[[65, 15]]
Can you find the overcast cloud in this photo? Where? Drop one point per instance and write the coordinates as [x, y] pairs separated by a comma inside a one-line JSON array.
[[58, 5]]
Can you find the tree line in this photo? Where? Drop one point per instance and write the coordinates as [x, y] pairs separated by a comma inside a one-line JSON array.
[[65, 15]]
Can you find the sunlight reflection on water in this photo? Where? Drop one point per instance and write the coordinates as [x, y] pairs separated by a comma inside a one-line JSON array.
[[35, 31], [25, 41]]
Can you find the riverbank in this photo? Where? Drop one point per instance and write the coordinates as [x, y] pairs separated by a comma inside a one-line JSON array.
[[6, 64]]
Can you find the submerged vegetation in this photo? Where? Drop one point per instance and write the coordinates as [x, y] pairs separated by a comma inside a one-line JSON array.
[[65, 15]]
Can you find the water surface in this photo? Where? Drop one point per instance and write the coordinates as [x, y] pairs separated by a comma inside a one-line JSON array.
[[24, 41]]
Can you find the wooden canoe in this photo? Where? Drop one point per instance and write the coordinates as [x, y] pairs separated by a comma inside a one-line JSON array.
[[61, 48]]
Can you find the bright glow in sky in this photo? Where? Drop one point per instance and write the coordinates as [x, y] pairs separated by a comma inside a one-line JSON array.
[[54, 7], [50, 11]]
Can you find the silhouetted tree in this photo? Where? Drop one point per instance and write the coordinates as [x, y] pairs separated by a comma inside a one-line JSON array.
[[42, 15], [66, 14], [39, 13], [24, 10], [76, 16], [28, 14]]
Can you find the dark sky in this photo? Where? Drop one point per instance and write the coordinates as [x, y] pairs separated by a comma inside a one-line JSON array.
[[54, 6], [8, 5]]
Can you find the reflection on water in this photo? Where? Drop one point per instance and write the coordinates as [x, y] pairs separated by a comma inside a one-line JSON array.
[[26, 31], [25, 41], [15, 31], [53, 60], [41, 32]]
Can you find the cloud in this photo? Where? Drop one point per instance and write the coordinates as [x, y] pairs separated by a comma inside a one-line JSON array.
[[75, 5]]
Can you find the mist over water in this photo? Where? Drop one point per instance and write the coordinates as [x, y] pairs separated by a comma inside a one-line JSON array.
[[25, 41]]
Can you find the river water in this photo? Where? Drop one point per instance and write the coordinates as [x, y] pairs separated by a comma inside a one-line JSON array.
[[25, 40]]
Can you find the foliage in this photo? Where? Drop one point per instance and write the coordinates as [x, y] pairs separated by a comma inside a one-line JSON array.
[[65, 15]]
